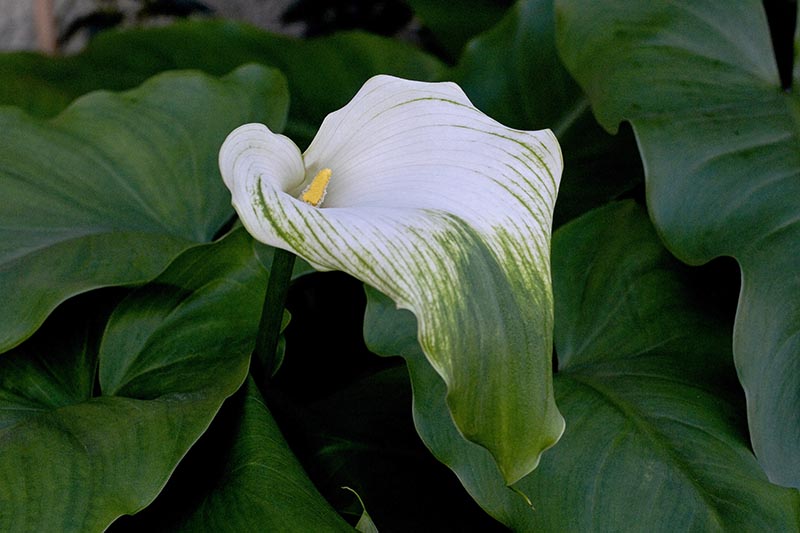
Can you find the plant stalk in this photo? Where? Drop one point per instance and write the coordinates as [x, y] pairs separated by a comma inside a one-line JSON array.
[[269, 328]]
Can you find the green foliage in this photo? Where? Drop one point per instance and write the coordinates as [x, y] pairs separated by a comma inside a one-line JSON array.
[[719, 139], [323, 73], [241, 476], [94, 420], [132, 299], [513, 74], [648, 393], [116, 186], [453, 28]]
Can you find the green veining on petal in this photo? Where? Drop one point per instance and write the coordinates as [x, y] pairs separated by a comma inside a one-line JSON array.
[[467, 253]]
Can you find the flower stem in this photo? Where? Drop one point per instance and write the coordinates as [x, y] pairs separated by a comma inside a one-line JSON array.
[[265, 360]]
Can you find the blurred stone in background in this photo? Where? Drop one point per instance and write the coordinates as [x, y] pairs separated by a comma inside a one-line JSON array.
[[75, 21]]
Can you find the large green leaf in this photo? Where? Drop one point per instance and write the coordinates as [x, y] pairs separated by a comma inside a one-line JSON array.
[[116, 186], [323, 73], [650, 394], [241, 476], [645, 385], [514, 75], [75, 455], [721, 144]]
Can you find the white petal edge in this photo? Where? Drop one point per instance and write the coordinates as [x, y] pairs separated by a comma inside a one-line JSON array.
[[413, 164]]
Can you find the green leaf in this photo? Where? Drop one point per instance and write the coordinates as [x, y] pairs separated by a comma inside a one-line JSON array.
[[365, 523], [241, 476], [452, 28], [648, 389], [323, 73], [719, 138], [391, 331], [116, 186], [645, 385], [73, 458], [513, 74], [349, 421]]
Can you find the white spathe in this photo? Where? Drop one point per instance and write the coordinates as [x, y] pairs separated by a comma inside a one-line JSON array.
[[447, 212]]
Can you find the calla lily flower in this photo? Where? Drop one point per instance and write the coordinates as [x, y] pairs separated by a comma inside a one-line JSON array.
[[414, 191]]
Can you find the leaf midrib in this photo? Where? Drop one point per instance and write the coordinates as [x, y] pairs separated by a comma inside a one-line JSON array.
[[659, 442]]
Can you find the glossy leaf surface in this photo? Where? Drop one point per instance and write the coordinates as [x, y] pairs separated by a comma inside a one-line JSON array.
[[644, 381], [241, 476], [92, 427], [513, 74], [116, 186], [719, 138], [323, 73]]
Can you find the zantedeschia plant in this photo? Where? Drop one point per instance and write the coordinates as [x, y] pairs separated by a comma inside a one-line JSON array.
[[164, 366], [414, 191]]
